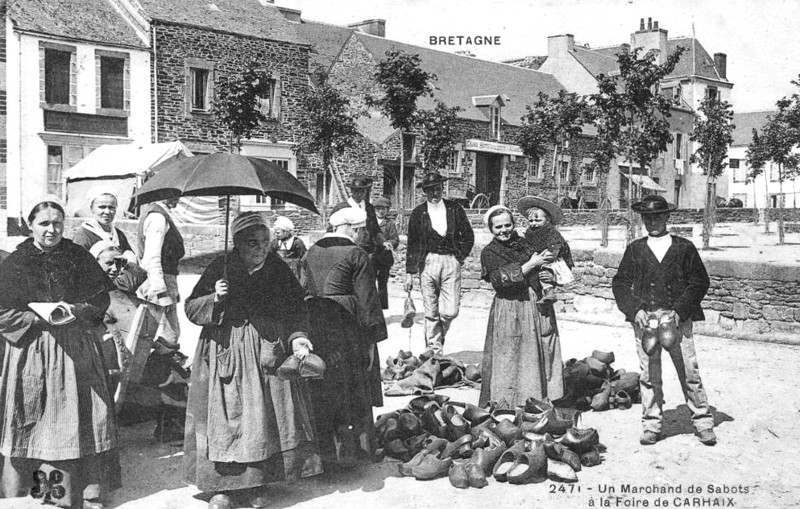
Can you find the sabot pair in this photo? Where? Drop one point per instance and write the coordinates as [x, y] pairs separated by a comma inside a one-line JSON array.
[[466, 474], [522, 465], [310, 366], [662, 331]]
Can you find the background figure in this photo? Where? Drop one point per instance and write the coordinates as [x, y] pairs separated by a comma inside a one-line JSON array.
[[522, 352], [161, 248], [384, 259], [370, 238], [103, 204], [663, 276], [246, 428], [290, 248], [346, 324], [161, 393], [440, 238], [543, 216], [56, 409]]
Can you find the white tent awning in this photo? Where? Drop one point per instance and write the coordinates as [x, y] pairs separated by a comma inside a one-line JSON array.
[[110, 161], [645, 182]]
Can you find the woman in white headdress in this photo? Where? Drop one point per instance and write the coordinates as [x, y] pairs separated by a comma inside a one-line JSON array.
[[103, 204], [288, 247], [245, 427]]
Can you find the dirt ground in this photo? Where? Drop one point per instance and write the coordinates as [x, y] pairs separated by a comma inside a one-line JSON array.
[[751, 386]]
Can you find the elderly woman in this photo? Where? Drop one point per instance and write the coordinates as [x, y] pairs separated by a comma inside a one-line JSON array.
[[56, 410], [103, 204], [288, 247], [346, 324], [522, 352], [245, 428]]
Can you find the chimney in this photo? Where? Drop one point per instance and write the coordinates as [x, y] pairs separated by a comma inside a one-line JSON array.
[[641, 25], [559, 45], [653, 38], [290, 14], [721, 63], [375, 27]]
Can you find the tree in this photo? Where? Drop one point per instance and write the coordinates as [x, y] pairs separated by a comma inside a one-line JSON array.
[[402, 81], [237, 103], [713, 132], [631, 114], [553, 121], [757, 159], [328, 126], [438, 133]]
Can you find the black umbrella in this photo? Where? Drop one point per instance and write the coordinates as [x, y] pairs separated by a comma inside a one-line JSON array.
[[224, 174]]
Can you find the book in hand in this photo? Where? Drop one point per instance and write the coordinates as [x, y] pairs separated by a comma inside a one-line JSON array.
[[54, 313]]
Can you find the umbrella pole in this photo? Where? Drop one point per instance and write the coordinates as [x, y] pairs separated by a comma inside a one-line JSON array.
[[227, 218]]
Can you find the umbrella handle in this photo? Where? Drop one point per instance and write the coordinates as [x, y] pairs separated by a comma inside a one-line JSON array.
[[227, 219]]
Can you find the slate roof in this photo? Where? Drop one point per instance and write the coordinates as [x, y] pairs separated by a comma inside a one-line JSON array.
[[326, 41], [461, 77], [242, 17], [594, 62], [745, 123], [85, 20], [531, 62], [703, 62]]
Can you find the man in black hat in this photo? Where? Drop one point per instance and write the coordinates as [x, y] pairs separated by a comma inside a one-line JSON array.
[[371, 240], [661, 278], [440, 238]]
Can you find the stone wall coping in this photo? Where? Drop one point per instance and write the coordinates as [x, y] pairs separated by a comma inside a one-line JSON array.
[[720, 267]]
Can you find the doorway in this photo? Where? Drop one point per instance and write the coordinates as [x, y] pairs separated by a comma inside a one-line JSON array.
[[488, 175]]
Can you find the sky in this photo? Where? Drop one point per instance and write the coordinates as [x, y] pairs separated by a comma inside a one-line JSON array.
[[760, 37]]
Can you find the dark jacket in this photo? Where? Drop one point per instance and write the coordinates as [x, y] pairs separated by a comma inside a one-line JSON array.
[[373, 241], [459, 237], [679, 282]]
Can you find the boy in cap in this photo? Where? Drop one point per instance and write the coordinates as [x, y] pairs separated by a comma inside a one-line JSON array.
[[384, 259], [440, 238], [662, 278]]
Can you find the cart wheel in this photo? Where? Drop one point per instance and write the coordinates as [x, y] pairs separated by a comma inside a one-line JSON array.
[[480, 201]]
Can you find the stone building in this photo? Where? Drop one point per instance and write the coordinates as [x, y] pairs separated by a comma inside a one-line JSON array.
[[493, 97], [696, 76], [75, 75], [194, 44]]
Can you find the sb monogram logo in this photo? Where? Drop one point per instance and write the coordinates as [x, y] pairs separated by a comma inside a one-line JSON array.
[[48, 488]]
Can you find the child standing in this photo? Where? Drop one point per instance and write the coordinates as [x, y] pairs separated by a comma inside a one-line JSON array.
[[543, 216]]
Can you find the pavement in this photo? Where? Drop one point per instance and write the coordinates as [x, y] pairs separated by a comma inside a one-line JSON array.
[[751, 386]]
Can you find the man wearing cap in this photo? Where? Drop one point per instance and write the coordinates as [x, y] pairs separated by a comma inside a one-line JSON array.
[[662, 278], [383, 259], [371, 239], [440, 238], [346, 325]]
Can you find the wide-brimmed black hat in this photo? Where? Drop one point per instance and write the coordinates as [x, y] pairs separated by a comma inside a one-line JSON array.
[[653, 204], [553, 210], [359, 183], [432, 179]]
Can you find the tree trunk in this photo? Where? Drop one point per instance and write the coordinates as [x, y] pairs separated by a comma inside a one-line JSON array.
[[755, 203], [604, 205], [325, 191], [781, 199], [629, 233], [710, 211], [401, 200], [558, 173], [766, 199]]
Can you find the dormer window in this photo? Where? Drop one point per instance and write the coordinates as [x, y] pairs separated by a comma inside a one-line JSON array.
[[494, 115], [491, 106]]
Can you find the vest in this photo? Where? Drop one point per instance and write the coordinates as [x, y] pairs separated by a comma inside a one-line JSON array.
[[172, 250]]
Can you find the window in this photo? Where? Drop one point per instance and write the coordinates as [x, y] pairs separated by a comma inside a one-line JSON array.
[[55, 168], [200, 89], [270, 103], [535, 169], [274, 203], [773, 172], [678, 146], [563, 173], [494, 115], [57, 76], [589, 174], [712, 93], [112, 83], [452, 162], [739, 170]]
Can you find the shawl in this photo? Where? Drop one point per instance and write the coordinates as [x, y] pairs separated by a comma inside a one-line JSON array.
[[548, 237], [93, 226]]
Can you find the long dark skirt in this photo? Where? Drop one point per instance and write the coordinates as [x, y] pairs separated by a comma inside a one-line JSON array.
[[345, 397], [522, 353], [245, 429]]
